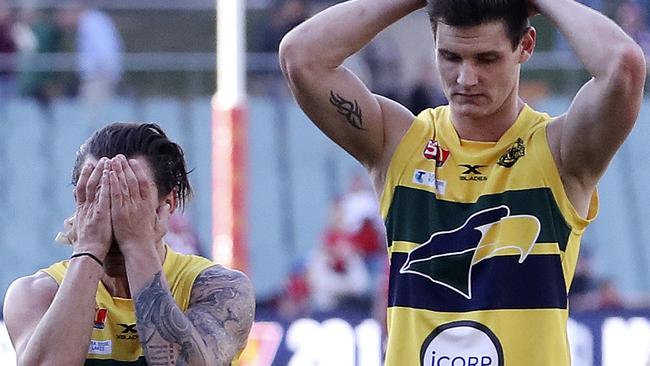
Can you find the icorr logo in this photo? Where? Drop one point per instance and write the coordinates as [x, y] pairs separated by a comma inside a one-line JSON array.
[[433, 151], [463, 343]]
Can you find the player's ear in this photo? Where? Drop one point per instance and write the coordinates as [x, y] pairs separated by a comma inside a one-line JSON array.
[[527, 44], [170, 199]]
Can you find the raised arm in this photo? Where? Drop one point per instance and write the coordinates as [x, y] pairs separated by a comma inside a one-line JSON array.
[[36, 308], [311, 55], [606, 108]]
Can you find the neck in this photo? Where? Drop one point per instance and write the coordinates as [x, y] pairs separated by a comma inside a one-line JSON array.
[[115, 277], [491, 127]]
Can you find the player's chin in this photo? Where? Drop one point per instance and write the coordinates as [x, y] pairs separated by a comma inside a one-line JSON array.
[[470, 110]]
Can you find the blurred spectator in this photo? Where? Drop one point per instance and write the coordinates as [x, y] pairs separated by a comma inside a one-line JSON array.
[[181, 236], [99, 54], [631, 16], [582, 295], [609, 296], [40, 35], [284, 16], [337, 273], [295, 298], [7, 50], [426, 93]]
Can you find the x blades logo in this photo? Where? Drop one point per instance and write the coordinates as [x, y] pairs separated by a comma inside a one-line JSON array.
[[472, 169], [433, 151], [128, 332], [472, 173], [510, 158]]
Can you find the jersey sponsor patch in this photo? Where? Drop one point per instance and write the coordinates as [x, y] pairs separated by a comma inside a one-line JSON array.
[[100, 318], [425, 178], [100, 347], [462, 343]]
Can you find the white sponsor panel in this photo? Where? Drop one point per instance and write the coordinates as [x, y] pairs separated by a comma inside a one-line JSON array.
[[425, 178], [100, 347]]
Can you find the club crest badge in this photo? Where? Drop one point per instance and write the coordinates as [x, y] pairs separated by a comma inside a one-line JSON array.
[[518, 150]]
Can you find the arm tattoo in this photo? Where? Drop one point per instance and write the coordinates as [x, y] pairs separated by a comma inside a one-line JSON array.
[[217, 322], [158, 314], [350, 110], [222, 309]]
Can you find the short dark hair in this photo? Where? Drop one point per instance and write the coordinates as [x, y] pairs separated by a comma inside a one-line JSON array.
[[469, 13], [165, 157]]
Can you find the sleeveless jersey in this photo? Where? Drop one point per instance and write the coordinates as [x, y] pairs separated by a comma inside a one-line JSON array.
[[114, 341], [483, 244]]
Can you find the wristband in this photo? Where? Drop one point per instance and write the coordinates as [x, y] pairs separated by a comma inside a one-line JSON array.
[[86, 254]]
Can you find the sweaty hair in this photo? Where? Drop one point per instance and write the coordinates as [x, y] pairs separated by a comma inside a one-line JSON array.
[[165, 158], [469, 13]]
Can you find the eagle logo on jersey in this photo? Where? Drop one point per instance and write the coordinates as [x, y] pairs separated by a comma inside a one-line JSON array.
[[447, 257]]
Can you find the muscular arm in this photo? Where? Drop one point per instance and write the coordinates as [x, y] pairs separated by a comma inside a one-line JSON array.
[[36, 309], [365, 125], [212, 331], [605, 109]]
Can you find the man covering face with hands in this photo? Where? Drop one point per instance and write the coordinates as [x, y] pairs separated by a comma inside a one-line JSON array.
[[124, 297]]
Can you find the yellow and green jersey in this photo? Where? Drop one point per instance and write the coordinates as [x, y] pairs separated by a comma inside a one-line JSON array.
[[114, 341], [483, 244]]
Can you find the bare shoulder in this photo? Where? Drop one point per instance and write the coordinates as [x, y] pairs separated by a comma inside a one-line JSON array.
[[27, 299], [222, 308], [34, 289]]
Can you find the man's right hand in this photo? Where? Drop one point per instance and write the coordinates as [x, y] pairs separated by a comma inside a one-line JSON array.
[[92, 226]]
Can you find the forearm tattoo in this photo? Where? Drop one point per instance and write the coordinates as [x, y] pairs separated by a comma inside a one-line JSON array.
[[218, 319], [158, 314], [350, 110]]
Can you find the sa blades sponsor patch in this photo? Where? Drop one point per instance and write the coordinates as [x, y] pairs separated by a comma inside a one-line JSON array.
[[425, 178], [100, 347]]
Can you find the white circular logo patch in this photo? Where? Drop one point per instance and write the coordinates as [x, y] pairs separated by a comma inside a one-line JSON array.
[[463, 343]]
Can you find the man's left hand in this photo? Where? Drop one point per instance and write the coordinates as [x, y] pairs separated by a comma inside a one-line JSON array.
[[138, 219]]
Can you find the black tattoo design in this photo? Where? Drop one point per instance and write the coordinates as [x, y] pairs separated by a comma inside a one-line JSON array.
[[217, 322], [222, 309], [157, 313], [350, 110]]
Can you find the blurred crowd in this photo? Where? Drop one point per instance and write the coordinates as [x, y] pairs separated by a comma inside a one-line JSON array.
[[29, 32]]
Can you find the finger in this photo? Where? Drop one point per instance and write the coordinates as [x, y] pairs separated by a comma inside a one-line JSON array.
[[145, 183], [116, 166], [93, 180], [80, 190], [131, 179], [104, 200], [116, 193]]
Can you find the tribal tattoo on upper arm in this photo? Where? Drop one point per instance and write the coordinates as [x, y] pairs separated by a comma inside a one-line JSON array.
[[212, 331], [350, 110]]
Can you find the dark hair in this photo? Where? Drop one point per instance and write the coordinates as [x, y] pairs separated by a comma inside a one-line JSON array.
[[165, 157], [469, 13]]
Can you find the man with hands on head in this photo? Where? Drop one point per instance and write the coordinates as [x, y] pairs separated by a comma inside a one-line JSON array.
[[124, 297], [485, 200]]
